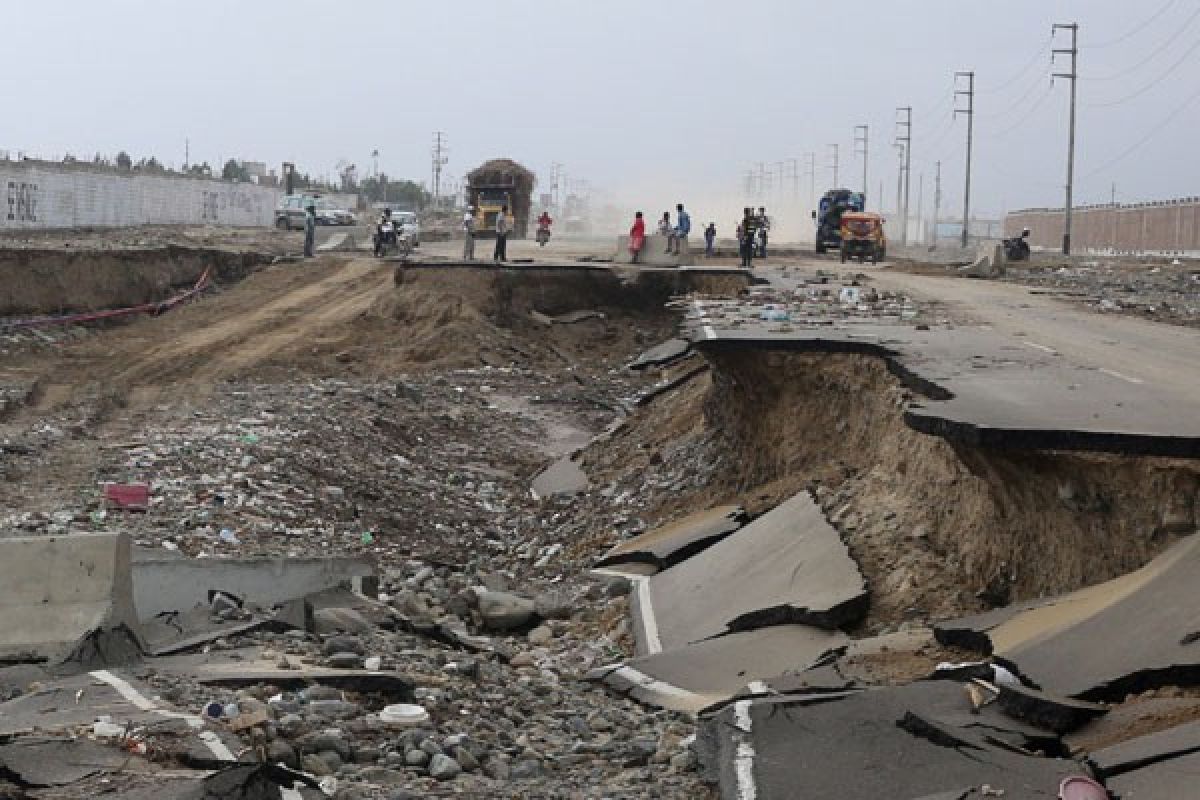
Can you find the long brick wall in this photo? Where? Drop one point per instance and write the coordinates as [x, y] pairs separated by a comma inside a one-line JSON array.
[[1169, 227]]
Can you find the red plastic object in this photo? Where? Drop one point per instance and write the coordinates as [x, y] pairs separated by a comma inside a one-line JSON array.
[[129, 496], [1080, 788]]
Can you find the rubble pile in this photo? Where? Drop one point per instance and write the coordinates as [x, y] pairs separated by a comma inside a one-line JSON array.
[[1164, 292]]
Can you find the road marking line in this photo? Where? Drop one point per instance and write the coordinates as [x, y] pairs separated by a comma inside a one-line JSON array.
[[1115, 374], [646, 682], [743, 761], [143, 703], [1041, 347], [646, 609]]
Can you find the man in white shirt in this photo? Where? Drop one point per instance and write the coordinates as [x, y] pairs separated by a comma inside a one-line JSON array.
[[468, 224]]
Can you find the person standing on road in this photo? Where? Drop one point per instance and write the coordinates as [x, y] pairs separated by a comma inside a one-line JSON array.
[[683, 226], [746, 236], [468, 225], [710, 238], [310, 231], [637, 237], [664, 227], [764, 225], [501, 254]]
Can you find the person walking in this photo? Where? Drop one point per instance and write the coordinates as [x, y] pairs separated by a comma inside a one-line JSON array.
[[710, 239], [502, 228], [310, 230], [679, 234], [468, 225], [637, 237]]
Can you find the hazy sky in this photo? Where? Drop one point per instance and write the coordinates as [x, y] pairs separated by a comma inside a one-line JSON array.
[[648, 101]]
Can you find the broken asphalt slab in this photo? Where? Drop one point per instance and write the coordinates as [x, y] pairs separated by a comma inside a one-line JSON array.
[[1146, 751], [563, 477], [662, 354], [911, 742], [68, 598], [676, 541], [789, 566], [698, 676], [59, 762], [1133, 633]]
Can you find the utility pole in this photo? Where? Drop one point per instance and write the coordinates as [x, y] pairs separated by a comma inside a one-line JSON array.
[[904, 138], [900, 182], [187, 154], [794, 168], [921, 208], [1073, 76], [937, 201], [812, 180], [833, 163], [860, 138], [439, 160], [970, 112]]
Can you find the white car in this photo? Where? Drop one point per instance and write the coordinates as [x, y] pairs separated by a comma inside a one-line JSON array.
[[406, 223]]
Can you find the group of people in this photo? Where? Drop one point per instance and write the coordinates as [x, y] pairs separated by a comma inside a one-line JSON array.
[[752, 235], [676, 235], [503, 229]]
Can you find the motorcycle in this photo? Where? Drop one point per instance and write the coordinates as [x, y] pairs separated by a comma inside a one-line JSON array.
[[384, 240], [543, 235], [1016, 248]]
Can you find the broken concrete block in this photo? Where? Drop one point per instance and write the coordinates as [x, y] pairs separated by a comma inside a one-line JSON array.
[[68, 597], [560, 478], [1126, 635], [1058, 714], [789, 566], [676, 541], [502, 611], [662, 354]]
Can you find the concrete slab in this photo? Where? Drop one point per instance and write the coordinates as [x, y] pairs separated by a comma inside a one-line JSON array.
[[677, 541], [654, 253], [564, 476], [337, 242], [59, 762], [1168, 780], [1123, 636], [662, 354], [163, 582], [789, 566], [1144, 751], [68, 598], [916, 741], [696, 677]]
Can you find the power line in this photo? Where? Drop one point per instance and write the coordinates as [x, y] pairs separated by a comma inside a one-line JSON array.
[[1155, 52], [1024, 118], [1149, 85], [1039, 53], [1130, 34], [1153, 132], [1028, 93]]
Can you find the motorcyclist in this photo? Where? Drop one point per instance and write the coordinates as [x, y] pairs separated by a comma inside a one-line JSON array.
[[385, 231], [544, 222]]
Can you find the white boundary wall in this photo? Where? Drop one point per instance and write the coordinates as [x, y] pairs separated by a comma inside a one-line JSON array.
[[42, 195]]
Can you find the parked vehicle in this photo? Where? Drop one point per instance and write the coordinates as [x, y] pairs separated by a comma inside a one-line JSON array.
[[862, 236], [408, 225], [828, 216], [289, 214], [1017, 248]]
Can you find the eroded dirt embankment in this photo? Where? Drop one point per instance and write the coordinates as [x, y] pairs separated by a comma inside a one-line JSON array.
[[53, 281], [938, 528]]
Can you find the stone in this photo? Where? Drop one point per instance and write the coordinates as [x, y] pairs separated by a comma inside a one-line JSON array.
[[502, 611], [554, 605], [383, 776], [345, 661], [343, 644], [465, 758], [416, 758], [331, 758], [280, 751], [526, 770], [444, 768], [540, 635], [316, 765]]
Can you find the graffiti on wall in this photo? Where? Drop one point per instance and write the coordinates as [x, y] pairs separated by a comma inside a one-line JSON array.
[[22, 202]]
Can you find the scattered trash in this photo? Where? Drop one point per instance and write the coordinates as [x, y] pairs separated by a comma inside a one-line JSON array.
[[404, 715], [127, 496], [368, 537], [229, 537], [105, 728]]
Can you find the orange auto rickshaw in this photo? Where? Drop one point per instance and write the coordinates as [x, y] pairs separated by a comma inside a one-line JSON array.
[[863, 237]]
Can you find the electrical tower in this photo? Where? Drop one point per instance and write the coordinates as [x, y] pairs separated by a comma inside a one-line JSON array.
[[904, 139], [1073, 76], [439, 160], [969, 92]]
